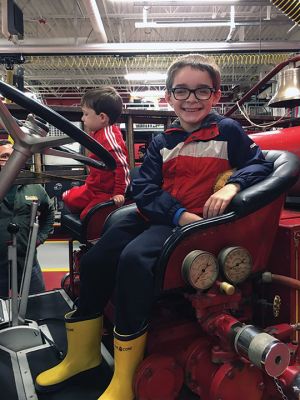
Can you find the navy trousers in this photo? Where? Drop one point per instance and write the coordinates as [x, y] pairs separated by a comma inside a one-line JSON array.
[[36, 282], [123, 259]]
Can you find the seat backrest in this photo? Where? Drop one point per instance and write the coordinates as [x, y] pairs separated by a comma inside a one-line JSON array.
[[284, 175], [91, 227]]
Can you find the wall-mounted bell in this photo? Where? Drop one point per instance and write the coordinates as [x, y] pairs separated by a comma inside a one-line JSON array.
[[288, 89]]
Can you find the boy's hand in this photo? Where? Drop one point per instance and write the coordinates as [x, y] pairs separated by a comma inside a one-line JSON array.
[[118, 199], [218, 201], [187, 218], [66, 193]]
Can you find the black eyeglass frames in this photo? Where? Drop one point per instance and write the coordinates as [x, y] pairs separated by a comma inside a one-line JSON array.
[[201, 93]]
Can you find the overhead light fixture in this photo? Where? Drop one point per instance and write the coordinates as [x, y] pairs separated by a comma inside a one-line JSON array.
[[148, 76], [209, 2], [158, 24], [186, 24], [149, 93]]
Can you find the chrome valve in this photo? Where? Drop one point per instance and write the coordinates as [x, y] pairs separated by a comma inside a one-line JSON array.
[[262, 349]]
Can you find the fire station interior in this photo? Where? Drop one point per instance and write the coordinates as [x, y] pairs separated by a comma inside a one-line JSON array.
[[233, 334]]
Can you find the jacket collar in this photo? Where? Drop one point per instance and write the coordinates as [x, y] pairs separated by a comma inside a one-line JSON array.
[[206, 131]]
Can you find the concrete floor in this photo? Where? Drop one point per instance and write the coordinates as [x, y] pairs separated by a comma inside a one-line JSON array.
[[55, 254]]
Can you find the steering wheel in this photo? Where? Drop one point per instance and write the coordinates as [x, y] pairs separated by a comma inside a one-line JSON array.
[[26, 143]]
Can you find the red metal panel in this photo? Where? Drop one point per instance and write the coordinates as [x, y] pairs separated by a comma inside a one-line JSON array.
[[284, 260], [255, 232]]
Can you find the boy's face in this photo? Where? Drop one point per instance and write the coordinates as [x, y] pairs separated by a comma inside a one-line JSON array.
[[5, 152], [92, 121], [192, 111]]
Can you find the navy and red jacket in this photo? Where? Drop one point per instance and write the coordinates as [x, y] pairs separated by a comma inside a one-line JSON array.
[[180, 168]]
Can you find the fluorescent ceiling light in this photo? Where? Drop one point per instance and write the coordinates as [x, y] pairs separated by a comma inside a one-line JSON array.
[[187, 24], [148, 93], [156, 25], [209, 2], [148, 76]]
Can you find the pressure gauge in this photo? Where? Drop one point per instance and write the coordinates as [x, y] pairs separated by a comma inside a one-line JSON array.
[[200, 269], [236, 263]]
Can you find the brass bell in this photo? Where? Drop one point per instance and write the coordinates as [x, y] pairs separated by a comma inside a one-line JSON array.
[[288, 89]]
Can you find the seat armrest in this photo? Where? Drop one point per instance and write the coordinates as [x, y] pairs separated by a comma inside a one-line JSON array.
[[284, 176], [72, 224]]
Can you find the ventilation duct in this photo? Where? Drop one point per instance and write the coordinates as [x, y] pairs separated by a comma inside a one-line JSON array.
[[291, 8], [96, 20]]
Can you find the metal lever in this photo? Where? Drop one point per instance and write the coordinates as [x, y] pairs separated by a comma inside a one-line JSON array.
[[13, 273], [27, 271]]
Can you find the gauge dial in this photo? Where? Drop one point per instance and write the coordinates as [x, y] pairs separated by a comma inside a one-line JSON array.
[[236, 263], [200, 269]]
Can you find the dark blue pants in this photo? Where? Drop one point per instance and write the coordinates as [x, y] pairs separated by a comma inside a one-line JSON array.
[[124, 258], [36, 283]]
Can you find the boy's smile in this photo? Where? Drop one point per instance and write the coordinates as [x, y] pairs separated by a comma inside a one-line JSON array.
[[192, 111]]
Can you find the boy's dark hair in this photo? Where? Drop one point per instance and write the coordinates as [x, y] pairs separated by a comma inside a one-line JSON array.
[[4, 142], [105, 99], [195, 61]]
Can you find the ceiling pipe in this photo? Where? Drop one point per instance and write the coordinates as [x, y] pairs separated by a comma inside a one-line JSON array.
[[232, 24], [291, 8], [65, 46], [96, 20]]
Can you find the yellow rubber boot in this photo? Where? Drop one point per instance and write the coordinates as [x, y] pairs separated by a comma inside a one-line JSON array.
[[128, 353], [84, 352]]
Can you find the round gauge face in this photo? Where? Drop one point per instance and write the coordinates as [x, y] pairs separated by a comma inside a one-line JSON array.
[[200, 269], [236, 264]]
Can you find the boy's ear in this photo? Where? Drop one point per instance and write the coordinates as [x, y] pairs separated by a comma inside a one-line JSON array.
[[216, 97], [104, 118], [168, 98]]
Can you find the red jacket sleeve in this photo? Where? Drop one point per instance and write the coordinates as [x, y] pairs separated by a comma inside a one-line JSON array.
[[118, 180]]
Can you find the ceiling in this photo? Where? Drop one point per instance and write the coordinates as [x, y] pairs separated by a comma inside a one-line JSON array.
[[64, 52]]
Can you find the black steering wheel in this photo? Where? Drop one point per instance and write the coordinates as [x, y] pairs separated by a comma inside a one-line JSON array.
[[26, 144]]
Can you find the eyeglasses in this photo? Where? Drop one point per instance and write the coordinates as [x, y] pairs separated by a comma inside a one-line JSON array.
[[201, 93]]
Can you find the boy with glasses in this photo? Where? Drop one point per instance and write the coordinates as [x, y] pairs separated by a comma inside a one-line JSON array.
[[174, 187]]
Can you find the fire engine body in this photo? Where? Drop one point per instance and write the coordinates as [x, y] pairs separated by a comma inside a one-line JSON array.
[[240, 341]]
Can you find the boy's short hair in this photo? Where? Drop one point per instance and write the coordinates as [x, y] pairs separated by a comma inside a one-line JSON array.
[[105, 99], [4, 142], [195, 61]]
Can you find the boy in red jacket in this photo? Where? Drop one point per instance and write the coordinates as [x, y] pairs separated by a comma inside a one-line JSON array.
[[101, 108]]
